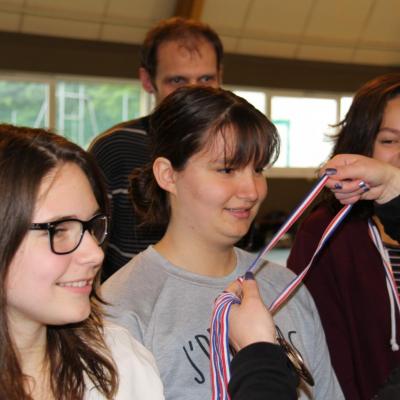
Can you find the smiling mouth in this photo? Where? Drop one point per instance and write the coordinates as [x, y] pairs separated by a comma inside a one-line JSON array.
[[76, 284], [241, 209]]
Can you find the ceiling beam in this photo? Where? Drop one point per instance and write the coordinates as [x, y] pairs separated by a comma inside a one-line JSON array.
[[191, 9]]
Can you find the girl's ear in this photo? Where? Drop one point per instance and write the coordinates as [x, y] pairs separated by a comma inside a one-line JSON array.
[[164, 174]]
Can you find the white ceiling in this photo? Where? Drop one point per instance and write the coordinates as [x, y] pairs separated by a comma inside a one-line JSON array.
[[350, 31]]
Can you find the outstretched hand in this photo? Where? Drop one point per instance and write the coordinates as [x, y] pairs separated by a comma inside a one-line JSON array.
[[354, 177]]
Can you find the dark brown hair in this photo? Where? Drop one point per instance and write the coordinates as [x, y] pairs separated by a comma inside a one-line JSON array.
[[187, 121], [73, 351], [360, 127], [187, 31]]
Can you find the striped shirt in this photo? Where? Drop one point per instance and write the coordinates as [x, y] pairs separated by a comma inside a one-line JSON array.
[[117, 152], [394, 257]]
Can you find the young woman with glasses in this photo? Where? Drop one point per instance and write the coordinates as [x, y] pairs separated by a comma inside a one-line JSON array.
[[53, 342]]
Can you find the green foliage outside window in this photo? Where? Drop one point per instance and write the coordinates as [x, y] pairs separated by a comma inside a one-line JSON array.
[[82, 109], [23, 103], [85, 110]]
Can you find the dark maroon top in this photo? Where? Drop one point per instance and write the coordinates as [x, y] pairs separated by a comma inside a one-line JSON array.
[[348, 284]]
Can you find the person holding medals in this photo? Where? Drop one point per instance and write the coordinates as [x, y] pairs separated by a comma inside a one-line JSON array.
[[349, 280]]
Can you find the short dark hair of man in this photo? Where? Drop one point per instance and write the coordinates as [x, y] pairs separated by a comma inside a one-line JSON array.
[[177, 29]]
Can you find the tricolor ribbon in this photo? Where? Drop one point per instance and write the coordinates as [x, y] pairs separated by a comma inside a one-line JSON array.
[[219, 347], [376, 239]]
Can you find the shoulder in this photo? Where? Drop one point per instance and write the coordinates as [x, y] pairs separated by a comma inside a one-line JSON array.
[[137, 370], [277, 276], [144, 273], [120, 133], [125, 348], [263, 268], [272, 278], [133, 292], [244, 258]]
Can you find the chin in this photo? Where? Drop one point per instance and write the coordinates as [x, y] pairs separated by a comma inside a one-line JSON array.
[[74, 317], [233, 239]]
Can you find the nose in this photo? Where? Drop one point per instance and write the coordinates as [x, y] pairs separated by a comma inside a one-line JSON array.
[[89, 252], [252, 186]]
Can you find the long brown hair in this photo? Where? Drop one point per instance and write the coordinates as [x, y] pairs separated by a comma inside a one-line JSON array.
[[359, 128], [75, 352]]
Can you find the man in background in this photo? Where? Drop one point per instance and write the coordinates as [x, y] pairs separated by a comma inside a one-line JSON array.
[[175, 53]]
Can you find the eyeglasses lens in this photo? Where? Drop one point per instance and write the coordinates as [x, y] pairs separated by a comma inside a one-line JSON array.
[[66, 236], [99, 229]]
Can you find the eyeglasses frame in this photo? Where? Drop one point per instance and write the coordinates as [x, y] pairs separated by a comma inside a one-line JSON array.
[[86, 225]]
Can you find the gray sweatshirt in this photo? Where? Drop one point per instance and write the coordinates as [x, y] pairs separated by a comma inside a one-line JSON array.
[[168, 309]]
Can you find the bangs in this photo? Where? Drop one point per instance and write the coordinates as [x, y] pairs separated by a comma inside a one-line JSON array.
[[249, 138]]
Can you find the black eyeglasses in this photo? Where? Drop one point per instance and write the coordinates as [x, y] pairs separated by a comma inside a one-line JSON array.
[[295, 358], [66, 235]]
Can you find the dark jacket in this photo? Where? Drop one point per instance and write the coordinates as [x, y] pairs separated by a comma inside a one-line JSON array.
[[348, 284], [262, 371]]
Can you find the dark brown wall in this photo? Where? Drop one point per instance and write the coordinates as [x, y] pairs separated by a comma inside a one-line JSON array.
[[285, 194], [33, 53]]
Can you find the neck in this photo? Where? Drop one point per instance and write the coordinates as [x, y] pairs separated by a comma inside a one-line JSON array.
[[196, 255], [385, 237], [30, 341]]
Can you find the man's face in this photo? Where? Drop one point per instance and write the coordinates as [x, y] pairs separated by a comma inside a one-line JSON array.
[[179, 66]]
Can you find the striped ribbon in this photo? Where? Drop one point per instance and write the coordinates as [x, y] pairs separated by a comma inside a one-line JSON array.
[[376, 238], [219, 347]]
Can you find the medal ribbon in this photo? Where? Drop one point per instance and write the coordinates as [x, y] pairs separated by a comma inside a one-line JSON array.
[[219, 346], [376, 238]]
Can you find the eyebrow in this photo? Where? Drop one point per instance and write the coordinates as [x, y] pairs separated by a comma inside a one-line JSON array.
[[71, 216], [206, 74], [169, 77], [393, 130]]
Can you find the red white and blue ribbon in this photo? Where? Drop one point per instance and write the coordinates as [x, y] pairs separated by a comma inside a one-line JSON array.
[[219, 347], [376, 238]]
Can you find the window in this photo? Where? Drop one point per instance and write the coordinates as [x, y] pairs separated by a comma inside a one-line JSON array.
[[24, 103], [345, 103], [257, 99], [304, 125], [80, 109], [85, 109]]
